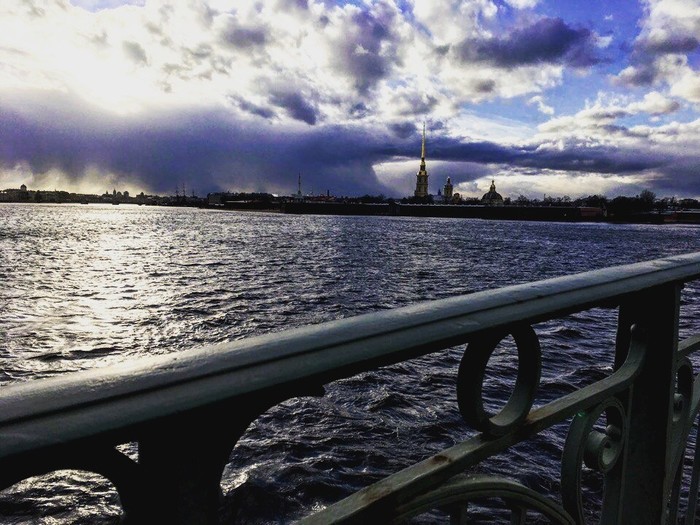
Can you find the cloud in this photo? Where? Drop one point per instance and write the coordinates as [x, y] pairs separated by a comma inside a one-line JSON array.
[[205, 149], [252, 108], [597, 141], [639, 75], [403, 129], [243, 95], [669, 34], [523, 4], [542, 106], [598, 121], [295, 105], [548, 40], [244, 37], [687, 86], [366, 43], [135, 52], [208, 150], [672, 43], [97, 5], [654, 103]]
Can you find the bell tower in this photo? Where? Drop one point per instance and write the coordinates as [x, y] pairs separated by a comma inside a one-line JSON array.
[[448, 189], [422, 176]]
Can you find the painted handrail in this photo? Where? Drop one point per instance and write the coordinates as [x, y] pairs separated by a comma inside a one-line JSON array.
[[75, 420]]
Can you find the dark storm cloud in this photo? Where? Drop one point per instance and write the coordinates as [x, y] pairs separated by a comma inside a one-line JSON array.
[[594, 160], [209, 151], [549, 40], [403, 130], [644, 68], [671, 44], [639, 75], [251, 108], [295, 105], [206, 150], [369, 48]]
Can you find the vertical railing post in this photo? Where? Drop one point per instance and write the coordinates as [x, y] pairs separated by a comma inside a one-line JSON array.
[[647, 473], [181, 461]]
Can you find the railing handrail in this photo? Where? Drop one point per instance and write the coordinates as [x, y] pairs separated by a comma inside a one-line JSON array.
[[110, 400]]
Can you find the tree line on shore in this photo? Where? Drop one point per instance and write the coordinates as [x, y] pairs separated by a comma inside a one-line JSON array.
[[644, 202]]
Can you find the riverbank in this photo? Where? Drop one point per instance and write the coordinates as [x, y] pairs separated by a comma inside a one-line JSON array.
[[521, 213], [393, 209]]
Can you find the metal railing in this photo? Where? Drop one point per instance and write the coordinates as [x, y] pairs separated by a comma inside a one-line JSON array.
[[647, 405]]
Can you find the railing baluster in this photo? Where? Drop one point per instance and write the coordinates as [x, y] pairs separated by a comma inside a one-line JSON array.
[[459, 515], [182, 462], [518, 515], [647, 470], [694, 479]]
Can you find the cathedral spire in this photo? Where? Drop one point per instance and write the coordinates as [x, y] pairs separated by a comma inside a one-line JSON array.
[[422, 175], [299, 196]]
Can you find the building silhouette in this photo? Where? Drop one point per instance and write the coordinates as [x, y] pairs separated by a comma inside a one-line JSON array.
[[447, 190], [422, 176], [492, 197], [298, 196]]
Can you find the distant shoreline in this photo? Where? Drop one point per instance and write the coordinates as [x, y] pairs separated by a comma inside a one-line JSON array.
[[518, 213], [510, 212]]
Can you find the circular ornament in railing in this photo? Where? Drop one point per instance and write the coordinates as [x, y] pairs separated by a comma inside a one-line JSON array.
[[600, 450], [470, 381]]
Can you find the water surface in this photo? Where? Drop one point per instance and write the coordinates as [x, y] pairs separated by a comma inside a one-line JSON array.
[[88, 286]]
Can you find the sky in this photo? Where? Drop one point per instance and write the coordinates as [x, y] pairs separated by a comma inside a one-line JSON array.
[[575, 97]]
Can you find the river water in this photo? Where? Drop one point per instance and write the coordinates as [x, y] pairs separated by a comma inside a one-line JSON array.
[[88, 286]]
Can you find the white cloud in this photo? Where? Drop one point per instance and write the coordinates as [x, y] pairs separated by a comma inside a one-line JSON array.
[[598, 123], [473, 127], [96, 5], [688, 86], [449, 21], [670, 30], [604, 41], [514, 182], [654, 103], [237, 55], [542, 106], [523, 4], [672, 17]]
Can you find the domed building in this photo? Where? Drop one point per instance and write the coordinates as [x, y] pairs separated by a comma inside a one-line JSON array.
[[492, 198]]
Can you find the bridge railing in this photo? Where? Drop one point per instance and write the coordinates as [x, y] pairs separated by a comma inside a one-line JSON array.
[[202, 401]]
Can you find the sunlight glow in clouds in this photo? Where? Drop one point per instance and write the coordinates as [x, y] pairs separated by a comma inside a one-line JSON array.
[[246, 94]]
